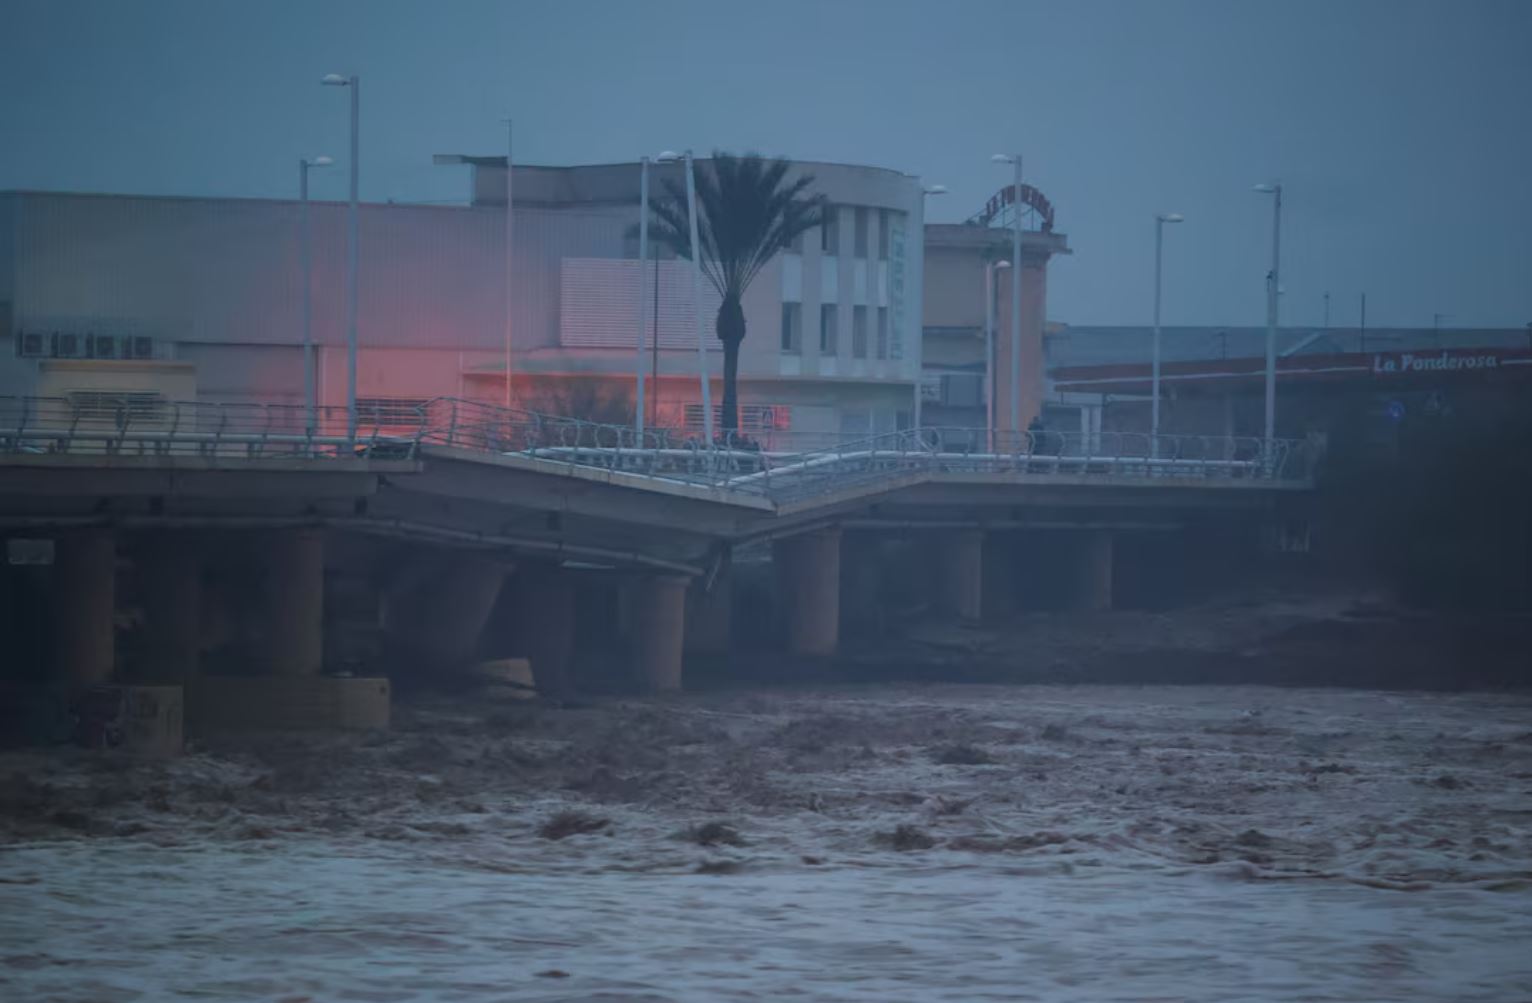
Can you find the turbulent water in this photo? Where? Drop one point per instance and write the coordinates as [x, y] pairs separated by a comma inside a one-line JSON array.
[[933, 843]]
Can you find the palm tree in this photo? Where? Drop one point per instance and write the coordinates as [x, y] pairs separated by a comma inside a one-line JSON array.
[[748, 211]]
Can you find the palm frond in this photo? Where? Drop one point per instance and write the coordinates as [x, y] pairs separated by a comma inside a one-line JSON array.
[[748, 212]]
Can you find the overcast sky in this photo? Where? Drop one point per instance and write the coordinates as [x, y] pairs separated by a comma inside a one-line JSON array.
[[1402, 130]]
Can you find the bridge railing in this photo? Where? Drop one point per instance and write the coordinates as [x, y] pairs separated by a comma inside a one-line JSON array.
[[127, 423], [977, 451]]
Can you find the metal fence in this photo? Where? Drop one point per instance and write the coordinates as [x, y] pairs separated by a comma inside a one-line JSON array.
[[132, 425], [101, 423]]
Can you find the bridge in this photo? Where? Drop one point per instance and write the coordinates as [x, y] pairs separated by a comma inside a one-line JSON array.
[[458, 514]]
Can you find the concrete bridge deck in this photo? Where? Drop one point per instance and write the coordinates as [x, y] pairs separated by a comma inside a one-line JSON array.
[[470, 492]]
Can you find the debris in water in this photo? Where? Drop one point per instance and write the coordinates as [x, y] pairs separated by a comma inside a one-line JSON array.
[[961, 754], [907, 837], [572, 823], [714, 834], [720, 867]]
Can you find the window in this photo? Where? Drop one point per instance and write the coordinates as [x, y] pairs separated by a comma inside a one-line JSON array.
[[829, 234], [391, 411], [856, 422], [882, 234], [828, 335], [792, 327], [861, 231], [752, 417], [859, 332], [121, 406]]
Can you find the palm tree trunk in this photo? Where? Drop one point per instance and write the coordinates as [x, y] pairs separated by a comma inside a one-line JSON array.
[[731, 388], [730, 328]]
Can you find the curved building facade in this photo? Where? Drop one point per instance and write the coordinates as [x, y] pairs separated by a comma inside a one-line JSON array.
[[833, 325]]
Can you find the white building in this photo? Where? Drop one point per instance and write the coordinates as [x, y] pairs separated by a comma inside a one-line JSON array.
[[202, 297]]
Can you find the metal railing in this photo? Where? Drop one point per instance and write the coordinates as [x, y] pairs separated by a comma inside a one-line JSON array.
[[127, 424], [59, 425]]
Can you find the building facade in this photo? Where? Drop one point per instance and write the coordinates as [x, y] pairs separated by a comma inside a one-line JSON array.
[[202, 299], [1363, 387]]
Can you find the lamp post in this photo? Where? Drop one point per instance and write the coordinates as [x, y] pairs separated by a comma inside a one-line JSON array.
[[919, 348], [310, 401], [669, 157], [696, 246], [336, 80], [1273, 285], [510, 248], [1160, 220], [989, 352], [643, 294], [1014, 159]]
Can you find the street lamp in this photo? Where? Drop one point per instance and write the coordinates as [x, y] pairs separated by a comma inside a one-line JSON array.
[[1160, 220], [310, 403], [1015, 395], [643, 296], [670, 156], [919, 347], [336, 80], [989, 351], [1273, 285], [510, 248]]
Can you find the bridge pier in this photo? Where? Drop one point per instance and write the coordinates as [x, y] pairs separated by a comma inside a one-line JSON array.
[[170, 576], [659, 631], [960, 558], [292, 602], [84, 606], [1092, 574], [808, 590], [710, 616], [442, 617], [543, 625]]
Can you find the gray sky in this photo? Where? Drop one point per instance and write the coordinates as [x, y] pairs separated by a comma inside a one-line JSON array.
[[1400, 128]]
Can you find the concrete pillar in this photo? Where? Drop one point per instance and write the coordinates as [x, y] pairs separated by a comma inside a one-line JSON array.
[[170, 574], [808, 589], [998, 592], [659, 631], [1095, 571], [443, 616], [961, 560], [710, 615], [544, 625], [864, 585], [292, 602], [84, 604]]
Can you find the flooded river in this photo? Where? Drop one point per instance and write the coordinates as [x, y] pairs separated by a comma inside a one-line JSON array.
[[919, 843]]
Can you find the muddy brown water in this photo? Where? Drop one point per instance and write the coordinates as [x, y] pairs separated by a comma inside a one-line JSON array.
[[929, 842]]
